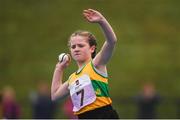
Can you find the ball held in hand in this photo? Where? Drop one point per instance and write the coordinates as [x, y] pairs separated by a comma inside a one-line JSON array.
[[64, 57]]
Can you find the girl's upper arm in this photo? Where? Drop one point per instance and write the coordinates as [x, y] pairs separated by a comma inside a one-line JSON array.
[[62, 91], [104, 55]]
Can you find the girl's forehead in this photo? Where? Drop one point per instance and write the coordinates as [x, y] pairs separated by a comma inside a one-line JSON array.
[[78, 39]]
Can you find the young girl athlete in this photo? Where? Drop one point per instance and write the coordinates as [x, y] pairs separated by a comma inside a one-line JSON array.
[[88, 86]]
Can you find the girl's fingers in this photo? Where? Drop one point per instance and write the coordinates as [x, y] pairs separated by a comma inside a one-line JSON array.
[[85, 14], [87, 11], [88, 18], [92, 11]]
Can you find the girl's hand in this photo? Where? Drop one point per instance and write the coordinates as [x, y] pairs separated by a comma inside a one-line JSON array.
[[93, 16], [63, 65]]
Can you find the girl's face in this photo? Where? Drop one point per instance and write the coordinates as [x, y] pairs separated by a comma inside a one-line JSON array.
[[80, 48]]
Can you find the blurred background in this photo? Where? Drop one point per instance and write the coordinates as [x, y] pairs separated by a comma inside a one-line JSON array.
[[147, 56]]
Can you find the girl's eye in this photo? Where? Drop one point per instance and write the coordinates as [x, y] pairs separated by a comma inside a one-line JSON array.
[[73, 46], [81, 45]]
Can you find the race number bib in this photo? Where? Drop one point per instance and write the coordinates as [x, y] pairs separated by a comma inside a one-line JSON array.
[[82, 92]]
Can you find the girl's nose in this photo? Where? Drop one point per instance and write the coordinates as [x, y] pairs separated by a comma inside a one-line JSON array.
[[76, 49]]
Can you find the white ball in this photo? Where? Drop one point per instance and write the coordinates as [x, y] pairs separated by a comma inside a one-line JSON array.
[[63, 56]]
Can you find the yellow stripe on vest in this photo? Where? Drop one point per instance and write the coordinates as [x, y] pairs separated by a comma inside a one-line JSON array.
[[100, 84], [100, 102]]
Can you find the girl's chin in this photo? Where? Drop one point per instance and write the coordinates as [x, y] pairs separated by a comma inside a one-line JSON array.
[[79, 60]]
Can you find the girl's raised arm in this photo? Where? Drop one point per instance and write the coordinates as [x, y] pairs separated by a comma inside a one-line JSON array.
[[106, 51]]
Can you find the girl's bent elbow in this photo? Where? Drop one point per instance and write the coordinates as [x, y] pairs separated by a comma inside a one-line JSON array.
[[53, 98], [115, 39], [113, 42]]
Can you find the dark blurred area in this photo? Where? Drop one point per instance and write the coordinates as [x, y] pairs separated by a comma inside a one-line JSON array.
[[11, 109], [147, 102], [42, 106], [34, 32]]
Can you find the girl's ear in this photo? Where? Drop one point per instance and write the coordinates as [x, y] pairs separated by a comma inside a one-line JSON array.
[[93, 48]]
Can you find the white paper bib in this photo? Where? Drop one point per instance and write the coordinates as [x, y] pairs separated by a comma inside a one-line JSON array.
[[82, 92]]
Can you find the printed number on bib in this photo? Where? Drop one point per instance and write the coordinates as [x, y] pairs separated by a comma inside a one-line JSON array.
[[82, 92]]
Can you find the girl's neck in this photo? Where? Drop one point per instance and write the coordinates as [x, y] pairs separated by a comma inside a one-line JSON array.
[[81, 64]]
